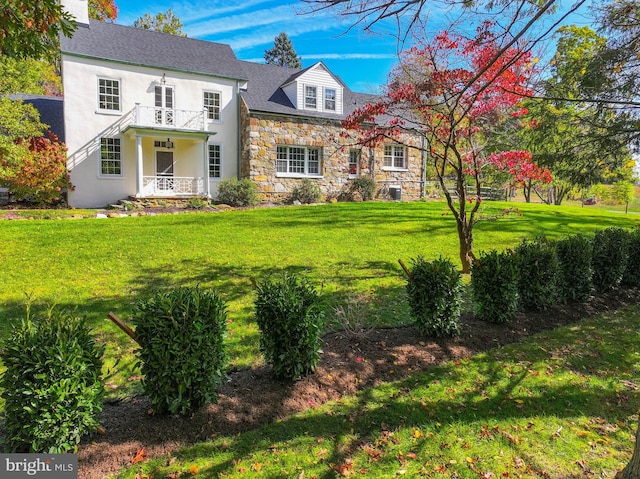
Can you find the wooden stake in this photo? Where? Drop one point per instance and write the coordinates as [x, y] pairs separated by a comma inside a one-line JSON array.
[[130, 332], [406, 270]]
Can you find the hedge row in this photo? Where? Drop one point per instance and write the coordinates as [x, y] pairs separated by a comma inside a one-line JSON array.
[[53, 386], [534, 276]]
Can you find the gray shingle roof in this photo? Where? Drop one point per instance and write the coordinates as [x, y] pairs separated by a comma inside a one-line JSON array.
[[110, 41], [264, 92], [50, 109]]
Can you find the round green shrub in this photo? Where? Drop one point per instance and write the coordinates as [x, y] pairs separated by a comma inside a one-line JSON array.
[[52, 385], [631, 277], [364, 186], [575, 277], [182, 357], [234, 192], [307, 192], [289, 314], [538, 268], [610, 257], [494, 286], [434, 290]]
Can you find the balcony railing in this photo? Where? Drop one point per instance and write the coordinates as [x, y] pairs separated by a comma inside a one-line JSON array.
[[172, 186], [151, 116]]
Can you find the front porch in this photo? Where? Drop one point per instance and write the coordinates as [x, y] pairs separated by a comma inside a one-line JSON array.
[[170, 163], [172, 186]]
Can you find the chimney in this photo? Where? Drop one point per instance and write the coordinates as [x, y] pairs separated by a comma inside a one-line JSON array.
[[78, 8]]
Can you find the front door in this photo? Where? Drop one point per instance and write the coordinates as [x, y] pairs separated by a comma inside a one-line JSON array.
[[164, 172], [164, 105]]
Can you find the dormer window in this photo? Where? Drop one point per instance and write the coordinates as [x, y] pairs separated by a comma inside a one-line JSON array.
[[311, 97], [330, 99]]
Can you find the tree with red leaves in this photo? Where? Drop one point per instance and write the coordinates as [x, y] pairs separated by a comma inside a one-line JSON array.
[[42, 176], [103, 10], [455, 93]]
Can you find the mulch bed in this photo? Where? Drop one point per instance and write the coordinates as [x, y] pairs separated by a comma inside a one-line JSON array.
[[350, 362]]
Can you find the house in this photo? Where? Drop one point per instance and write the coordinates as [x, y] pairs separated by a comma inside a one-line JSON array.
[[148, 114]]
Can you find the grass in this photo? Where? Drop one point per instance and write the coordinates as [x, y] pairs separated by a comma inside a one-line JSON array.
[[562, 404], [97, 266]]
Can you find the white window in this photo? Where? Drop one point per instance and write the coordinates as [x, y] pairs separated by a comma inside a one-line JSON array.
[[215, 161], [211, 103], [330, 99], [395, 157], [298, 160], [110, 157], [108, 94], [310, 97], [354, 162], [164, 105]]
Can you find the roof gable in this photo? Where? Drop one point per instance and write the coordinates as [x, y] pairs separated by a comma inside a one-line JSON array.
[[300, 75], [265, 94]]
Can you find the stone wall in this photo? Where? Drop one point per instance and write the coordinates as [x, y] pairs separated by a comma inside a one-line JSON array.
[[262, 133]]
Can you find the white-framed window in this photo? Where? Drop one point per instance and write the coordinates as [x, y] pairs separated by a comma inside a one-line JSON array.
[[395, 157], [110, 157], [298, 160], [211, 103], [310, 97], [330, 99], [354, 162], [109, 95], [215, 161]]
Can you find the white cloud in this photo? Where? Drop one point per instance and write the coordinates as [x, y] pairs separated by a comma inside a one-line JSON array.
[[242, 21], [350, 56]]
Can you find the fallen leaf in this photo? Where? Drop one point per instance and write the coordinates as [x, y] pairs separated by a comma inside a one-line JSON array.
[[257, 466], [193, 470], [139, 457]]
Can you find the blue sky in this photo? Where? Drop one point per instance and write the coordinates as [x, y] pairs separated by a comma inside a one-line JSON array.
[[363, 61]]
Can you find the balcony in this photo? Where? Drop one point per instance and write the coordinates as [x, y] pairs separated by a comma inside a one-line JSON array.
[[170, 118], [172, 186]]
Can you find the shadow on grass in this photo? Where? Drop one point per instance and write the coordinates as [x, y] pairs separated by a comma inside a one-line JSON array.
[[576, 373]]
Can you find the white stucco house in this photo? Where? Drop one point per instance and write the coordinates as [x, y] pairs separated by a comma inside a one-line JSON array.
[[148, 114]]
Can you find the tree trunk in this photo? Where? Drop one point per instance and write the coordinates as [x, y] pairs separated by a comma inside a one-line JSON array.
[[527, 191], [632, 470], [465, 235]]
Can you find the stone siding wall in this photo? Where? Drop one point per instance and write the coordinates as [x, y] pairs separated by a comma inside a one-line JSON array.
[[262, 133]]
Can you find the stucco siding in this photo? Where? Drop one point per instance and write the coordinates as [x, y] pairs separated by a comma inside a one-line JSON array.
[[86, 124]]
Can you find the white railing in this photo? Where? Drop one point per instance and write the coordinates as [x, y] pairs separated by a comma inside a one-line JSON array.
[[172, 186], [152, 116]]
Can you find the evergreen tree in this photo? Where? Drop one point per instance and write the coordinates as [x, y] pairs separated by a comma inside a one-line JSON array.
[[282, 53]]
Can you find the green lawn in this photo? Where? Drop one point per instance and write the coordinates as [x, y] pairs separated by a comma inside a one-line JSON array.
[[570, 393], [562, 404], [102, 265]]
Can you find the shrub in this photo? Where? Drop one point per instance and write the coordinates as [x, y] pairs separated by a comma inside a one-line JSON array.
[[434, 289], [289, 315], [631, 276], [538, 268], [52, 385], [610, 257], [307, 192], [182, 358], [494, 286], [364, 186], [576, 271], [197, 203], [234, 192]]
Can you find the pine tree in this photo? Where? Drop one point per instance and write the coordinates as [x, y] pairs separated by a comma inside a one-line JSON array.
[[282, 53]]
